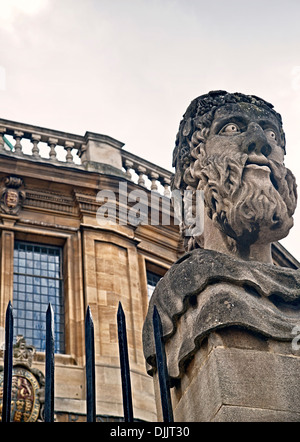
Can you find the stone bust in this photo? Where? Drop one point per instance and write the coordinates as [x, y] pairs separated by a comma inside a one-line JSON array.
[[231, 147]]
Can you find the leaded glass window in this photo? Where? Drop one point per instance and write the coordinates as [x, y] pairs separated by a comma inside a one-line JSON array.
[[152, 280], [38, 282]]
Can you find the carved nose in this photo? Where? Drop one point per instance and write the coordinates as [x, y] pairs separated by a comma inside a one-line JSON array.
[[256, 141]]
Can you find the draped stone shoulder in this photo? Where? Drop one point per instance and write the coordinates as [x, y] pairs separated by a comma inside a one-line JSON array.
[[218, 291]]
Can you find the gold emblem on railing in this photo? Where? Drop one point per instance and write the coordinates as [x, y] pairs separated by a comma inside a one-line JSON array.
[[28, 385]]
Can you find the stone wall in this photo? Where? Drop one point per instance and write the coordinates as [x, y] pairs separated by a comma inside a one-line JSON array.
[[102, 265]]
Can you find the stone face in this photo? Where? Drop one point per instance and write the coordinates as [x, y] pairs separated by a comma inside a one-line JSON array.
[[231, 147], [11, 195], [228, 314]]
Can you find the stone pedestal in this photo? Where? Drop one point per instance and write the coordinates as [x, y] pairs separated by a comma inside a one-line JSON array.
[[237, 376]]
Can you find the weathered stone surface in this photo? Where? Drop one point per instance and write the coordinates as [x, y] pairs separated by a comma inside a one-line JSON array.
[[238, 384], [247, 414], [208, 290], [230, 147]]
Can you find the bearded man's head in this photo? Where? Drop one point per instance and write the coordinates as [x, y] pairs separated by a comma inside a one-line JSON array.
[[232, 147]]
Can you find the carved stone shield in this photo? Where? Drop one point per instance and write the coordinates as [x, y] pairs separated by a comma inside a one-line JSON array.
[[25, 404]]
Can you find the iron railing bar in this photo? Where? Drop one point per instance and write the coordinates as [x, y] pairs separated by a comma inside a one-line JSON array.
[[124, 363], [90, 368], [49, 369], [8, 363], [162, 369]]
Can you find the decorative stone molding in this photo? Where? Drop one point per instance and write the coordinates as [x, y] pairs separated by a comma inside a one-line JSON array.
[[92, 152], [12, 195], [46, 200]]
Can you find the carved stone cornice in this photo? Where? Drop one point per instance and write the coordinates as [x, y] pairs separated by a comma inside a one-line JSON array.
[[86, 202], [47, 200]]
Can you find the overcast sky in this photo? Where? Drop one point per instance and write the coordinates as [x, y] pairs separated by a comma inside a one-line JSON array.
[[129, 68]]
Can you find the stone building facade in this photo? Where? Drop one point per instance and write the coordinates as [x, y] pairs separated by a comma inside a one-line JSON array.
[[55, 249]]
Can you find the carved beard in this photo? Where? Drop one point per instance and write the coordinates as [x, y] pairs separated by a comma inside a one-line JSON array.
[[248, 203]]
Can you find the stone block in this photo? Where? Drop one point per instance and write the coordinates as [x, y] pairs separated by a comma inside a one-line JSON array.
[[104, 150], [238, 384], [228, 413]]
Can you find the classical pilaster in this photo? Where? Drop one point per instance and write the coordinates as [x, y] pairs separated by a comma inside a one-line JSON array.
[[6, 272]]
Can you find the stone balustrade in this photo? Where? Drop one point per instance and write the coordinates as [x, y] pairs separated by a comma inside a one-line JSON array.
[[148, 175], [39, 144], [93, 152]]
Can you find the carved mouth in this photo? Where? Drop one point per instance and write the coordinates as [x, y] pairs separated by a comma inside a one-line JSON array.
[[258, 167], [259, 160], [261, 163]]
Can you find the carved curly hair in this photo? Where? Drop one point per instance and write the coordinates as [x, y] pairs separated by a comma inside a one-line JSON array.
[[193, 131], [195, 125]]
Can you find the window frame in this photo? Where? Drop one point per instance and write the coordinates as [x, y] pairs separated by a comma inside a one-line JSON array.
[[156, 269], [60, 329]]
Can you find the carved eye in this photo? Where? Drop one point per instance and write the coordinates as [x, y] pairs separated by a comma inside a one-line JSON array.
[[271, 134], [230, 129]]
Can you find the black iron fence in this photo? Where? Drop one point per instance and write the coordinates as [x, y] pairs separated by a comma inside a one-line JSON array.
[[164, 384]]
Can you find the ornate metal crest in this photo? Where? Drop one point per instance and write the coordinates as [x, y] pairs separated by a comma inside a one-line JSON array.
[[11, 195], [28, 385]]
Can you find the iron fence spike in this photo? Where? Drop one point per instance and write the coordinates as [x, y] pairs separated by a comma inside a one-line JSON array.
[[162, 369], [90, 367], [124, 364], [8, 363], [49, 369]]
